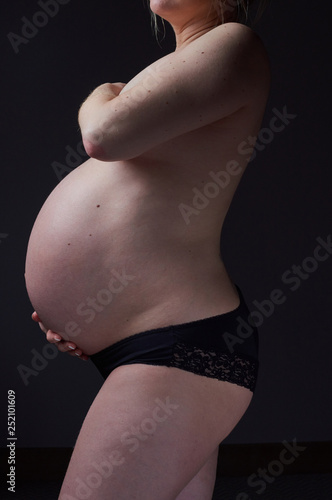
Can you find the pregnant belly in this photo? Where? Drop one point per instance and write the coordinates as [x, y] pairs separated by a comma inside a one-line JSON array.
[[79, 263], [107, 258]]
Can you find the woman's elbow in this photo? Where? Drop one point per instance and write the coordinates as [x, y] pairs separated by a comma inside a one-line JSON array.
[[92, 149], [95, 148], [106, 152]]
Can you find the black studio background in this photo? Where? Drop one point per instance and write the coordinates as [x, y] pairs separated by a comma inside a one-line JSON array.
[[282, 206]]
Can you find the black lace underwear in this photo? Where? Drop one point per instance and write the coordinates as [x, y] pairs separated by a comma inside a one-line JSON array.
[[202, 347], [224, 366]]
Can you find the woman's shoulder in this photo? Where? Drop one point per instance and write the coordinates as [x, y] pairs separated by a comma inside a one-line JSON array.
[[240, 34], [235, 46], [230, 36], [242, 43], [234, 29]]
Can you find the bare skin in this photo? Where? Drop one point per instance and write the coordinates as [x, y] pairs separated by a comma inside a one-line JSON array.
[[115, 239]]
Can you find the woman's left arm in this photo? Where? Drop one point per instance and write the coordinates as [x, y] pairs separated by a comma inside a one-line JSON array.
[[210, 78]]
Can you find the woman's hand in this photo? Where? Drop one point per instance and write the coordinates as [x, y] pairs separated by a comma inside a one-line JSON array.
[[109, 90], [103, 93], [62, 345], [90, 112]]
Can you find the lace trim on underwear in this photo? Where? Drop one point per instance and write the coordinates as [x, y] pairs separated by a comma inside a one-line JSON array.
[[222, 366]]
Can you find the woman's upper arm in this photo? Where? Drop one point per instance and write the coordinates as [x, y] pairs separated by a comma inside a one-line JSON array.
[[207, 80]]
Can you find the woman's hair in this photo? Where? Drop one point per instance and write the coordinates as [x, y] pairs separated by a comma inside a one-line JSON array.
[[236, 10]]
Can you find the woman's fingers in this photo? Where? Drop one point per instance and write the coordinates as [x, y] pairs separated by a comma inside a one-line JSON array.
[[55, 338], [35, 317], [79, 354], [66, 346]]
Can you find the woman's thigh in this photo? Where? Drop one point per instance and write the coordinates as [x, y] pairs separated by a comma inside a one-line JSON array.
[[201, 487], [149, 432]]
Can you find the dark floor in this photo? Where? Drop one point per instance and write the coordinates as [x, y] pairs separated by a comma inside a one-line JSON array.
[[291, 487], [297, 487]]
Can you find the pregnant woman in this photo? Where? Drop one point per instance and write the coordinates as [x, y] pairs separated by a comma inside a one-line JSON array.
[[124, 267]]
